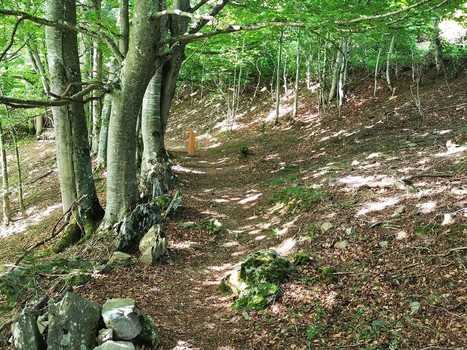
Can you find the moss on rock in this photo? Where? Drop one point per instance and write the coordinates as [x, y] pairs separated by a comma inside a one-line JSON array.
[[257, 282]]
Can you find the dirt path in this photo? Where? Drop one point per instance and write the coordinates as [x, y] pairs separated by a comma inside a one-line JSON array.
[[183, 295]]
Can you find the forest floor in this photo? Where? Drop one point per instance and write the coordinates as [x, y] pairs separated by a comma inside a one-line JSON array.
[[376, 198]]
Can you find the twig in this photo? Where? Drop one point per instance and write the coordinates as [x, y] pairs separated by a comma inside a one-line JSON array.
[[55, 232], [449, 251], [41, 177]]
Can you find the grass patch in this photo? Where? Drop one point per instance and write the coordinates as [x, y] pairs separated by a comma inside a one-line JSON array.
[[303, 196]]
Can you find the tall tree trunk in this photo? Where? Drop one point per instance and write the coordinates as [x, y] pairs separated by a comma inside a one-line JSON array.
[[437, 45], [156, 108], [104, 132], [153, 150], [39, 68], [375, 88], [297, 78], [343, 75], [18, 168], [388, 63], [336, 72], [73, 157], [124, 25], [97, 76], [5, 183], [278, 77], [122, 187]]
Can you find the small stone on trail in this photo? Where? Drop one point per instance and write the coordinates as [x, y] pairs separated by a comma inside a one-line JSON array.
[[383, 244], [327, 226], [341, 244], [449, 219], [400, 185], [398, 211], [120, 259]]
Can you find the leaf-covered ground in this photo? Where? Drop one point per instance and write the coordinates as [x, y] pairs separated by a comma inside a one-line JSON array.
[[372, 204]]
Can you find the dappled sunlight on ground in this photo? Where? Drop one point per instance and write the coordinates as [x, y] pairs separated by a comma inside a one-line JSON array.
[[33, 216], [378, 206]]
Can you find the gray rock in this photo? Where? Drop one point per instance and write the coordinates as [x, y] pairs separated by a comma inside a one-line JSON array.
[[119, 259], [116, 345], [124, 317], [26, 335], [135, 224], [72, 323], [153, 245], [104, 335]]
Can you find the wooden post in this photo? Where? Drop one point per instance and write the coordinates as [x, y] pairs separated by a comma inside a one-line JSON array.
[[191, 144]]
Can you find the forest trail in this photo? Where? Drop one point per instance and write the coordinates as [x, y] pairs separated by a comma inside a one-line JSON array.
[[388, 274]]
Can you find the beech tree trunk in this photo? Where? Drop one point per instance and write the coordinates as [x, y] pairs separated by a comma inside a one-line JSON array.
[[73, 157], [156, 107], [122, 186]]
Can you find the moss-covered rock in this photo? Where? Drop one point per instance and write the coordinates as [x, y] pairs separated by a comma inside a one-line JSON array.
[[257, 281], [71, 235]]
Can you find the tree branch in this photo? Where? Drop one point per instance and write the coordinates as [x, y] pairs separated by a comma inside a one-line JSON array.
[[64, 25], [12, 39], [198, 5], [59, 100], [384, 15], [214, 11], [187, 38]]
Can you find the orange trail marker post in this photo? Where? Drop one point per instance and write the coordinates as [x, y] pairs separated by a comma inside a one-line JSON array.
[[191, 144]]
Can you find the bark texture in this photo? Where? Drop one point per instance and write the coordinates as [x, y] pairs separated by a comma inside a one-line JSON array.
[[73, 158]]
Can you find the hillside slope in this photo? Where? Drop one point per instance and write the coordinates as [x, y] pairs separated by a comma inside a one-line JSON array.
[[373, 203]]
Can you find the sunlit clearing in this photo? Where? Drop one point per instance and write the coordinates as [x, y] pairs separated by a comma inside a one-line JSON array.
[[309, 117], [286, 227], [370, 181], [181, 169], [377, 206], [231, 244], [370, 166], [452, 149], [182, 245], [452, 31], [215, 145], [286, 246], [373, 155], [32, 218], [223, 267], [183, 345], [272, 156], [328, 299], [213, 214], [250, 198], [427, 207], [220, 161], [283, 110], [401, 235]]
